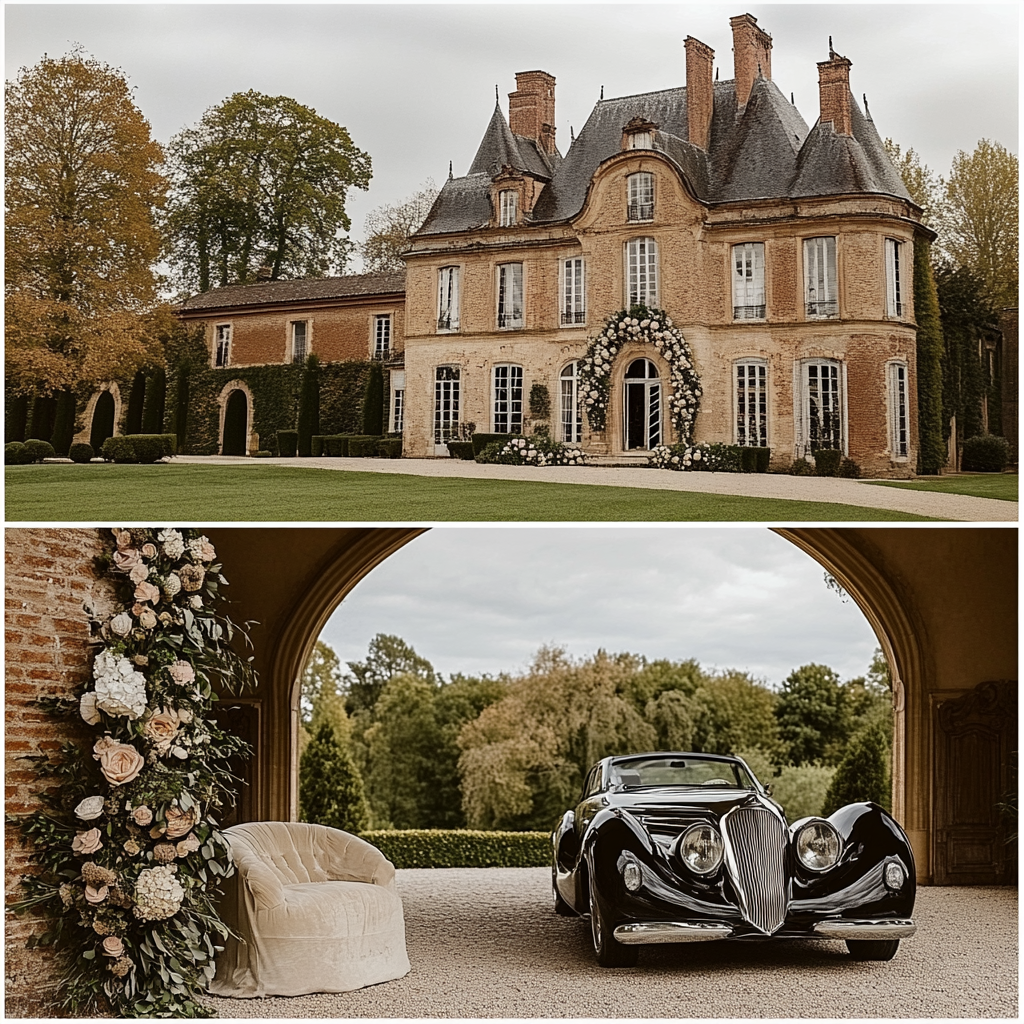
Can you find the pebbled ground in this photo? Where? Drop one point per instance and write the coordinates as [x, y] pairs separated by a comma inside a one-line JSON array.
[[486, 943]]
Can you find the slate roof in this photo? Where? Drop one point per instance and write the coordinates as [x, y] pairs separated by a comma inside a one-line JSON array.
[[501, 147], [299, 290], [764, 151]]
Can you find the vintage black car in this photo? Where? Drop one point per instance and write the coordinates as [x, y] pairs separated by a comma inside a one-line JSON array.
[[677, 847]]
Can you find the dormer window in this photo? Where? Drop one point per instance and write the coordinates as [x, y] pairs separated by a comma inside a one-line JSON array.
[[508, 208], [640, 140], [640, 196]]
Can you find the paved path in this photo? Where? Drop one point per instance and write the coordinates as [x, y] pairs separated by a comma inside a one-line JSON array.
[[754, 485], [486, 943]]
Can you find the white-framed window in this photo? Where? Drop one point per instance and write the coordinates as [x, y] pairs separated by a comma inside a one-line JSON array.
[[640, 140], [382, 336], [751, 376], [641, 406], [448, 299], [300, 338], [570, 411], [446, 403], [640, 196], [821, 293], [822, 396], [510, 295], [893, 282], [397, 401], [748, 281], [641, 272], [222, 345], [574, 295], [508, 207], [507, 394], [899, 423]]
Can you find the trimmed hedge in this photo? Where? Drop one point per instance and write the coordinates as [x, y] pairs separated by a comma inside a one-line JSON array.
[[288, 443], [36, 450], [82, 451], [849, 469], [754, 459], [461, 848], [390, 448], [119, 448], [826, 461], [13, 452], [363, 447], [461, 449], [481, 441], [985, 453]]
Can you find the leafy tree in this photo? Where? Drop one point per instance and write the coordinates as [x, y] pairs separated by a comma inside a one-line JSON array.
[[261, 181], [735, 712], [82, 191], [812, 716], [931, 415], [924, 186], [320, 697], [330, 787], [863, 773], [389, 227], [674, 716], [388, 656], [980, 220]]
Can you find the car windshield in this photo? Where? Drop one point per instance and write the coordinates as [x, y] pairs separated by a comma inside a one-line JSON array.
[[680, 771]]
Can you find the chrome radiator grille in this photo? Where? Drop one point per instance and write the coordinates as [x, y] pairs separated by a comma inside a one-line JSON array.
[[755, 853]]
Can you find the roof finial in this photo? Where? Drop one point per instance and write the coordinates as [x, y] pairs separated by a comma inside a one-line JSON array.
[[450, 175], [716, 73], [831, 52], [572, 135], [867, 112], [792, 101], [497, 99], [602, 92], [759, 74]]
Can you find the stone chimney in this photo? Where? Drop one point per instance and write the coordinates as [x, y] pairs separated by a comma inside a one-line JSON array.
[[531, 108], [834, 90], [700, 99], [751, 54]]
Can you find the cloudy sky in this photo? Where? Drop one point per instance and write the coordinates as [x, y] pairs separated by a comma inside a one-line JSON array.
[[414, 84], [483, 600]]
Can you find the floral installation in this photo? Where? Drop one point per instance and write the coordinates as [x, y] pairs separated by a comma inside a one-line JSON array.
[[710, 458], [651, 327], [539, 450], [128, 849]]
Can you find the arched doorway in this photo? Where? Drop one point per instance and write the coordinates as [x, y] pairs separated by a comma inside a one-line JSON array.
[[102, 420], [641, 406], [236, 424]]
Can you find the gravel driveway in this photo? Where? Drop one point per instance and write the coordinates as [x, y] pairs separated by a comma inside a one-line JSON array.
[[486, 943]]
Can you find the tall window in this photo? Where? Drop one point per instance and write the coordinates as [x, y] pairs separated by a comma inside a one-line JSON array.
[[382, 336], [446, 404], [820, 291], [570, 411], [510, 295], [642, 272], [823, 404], [299, 335], [752, 402], [574, 301], [222, 344], [893, 287], [397, 401], [448, 299], [641, 426], [748, 281], [640, 196], [508, 207], [899, 438], [508, 399]]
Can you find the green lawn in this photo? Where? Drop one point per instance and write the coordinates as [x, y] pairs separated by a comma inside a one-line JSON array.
[[113, 494], [978, 485]]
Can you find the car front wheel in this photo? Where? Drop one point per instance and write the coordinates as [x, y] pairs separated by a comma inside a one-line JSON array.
[[872, 949], [610, 952]]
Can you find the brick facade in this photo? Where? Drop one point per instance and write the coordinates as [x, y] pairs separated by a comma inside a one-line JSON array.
[[49, 578]]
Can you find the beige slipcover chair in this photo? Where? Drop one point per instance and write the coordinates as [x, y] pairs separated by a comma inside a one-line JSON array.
[[315, 910]]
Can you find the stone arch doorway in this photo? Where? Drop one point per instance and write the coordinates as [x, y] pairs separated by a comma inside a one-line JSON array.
[[102, 420], [235, 422]]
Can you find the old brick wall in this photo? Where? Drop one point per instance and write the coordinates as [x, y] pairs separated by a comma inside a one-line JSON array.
[[49, 577]]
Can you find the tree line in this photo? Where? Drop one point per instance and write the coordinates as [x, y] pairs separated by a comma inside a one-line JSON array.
[[388, 743]]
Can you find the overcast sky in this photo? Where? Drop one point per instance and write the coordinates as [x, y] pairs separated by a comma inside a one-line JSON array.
[[414, 84], [483, 600]]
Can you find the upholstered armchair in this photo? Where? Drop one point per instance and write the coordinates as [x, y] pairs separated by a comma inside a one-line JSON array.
[[315, 910]]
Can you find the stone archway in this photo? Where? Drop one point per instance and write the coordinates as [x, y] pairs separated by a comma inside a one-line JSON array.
[[101, 416], [236, 416]]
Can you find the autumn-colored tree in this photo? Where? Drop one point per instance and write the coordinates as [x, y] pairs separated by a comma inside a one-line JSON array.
[[389, 227], [261, 181], [82, 191], [923, 184]]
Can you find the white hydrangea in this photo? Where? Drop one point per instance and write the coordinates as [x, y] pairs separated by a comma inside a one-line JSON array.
[[173, 542], [158, 894], [120, 688]]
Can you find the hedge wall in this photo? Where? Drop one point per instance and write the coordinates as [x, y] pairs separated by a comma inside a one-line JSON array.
[[342, 393], [461, 848]]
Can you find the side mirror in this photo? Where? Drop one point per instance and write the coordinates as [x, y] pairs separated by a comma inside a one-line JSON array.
[[768, 789]]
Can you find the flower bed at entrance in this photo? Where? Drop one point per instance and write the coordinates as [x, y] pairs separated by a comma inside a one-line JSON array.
[[538, 450], [128, 848], [651, 327]]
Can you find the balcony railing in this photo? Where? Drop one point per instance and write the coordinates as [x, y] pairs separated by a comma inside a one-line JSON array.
[[446, 323], [823, 310], [748, 312], [640, 211], [514, 319], [574, 316]]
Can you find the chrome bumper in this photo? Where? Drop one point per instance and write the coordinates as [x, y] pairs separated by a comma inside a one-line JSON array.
[[840, 929], [648, 933]]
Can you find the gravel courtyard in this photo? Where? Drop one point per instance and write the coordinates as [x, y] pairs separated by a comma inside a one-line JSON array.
[[486, 943]]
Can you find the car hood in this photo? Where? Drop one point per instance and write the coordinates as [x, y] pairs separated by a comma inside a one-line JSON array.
[[684, 802]]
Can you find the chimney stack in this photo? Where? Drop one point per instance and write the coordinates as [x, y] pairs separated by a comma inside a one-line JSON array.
[[834, 90], [700, 99], [531, 108], [751, 53]]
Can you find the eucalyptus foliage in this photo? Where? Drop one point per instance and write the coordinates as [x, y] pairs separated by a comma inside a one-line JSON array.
[[128, 848]]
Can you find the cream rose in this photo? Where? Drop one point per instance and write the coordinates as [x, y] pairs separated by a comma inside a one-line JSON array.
[[87, 842], [91, 807], [127, 558], [121, 624], [94, 895], [147, 592], [142, 816], [182, 672], [119, 762], [147, 619], [87, 708], [113, 946], [161, 727], [123, 538], [139, 573], [149, 550], [179, 822]]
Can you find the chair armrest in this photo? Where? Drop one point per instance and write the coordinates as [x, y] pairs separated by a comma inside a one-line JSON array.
[[354, 860], [263, 882]]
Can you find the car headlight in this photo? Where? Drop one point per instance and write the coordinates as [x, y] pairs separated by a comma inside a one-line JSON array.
[[632, 876], [818, 846], [701, 849], [895, 876]]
